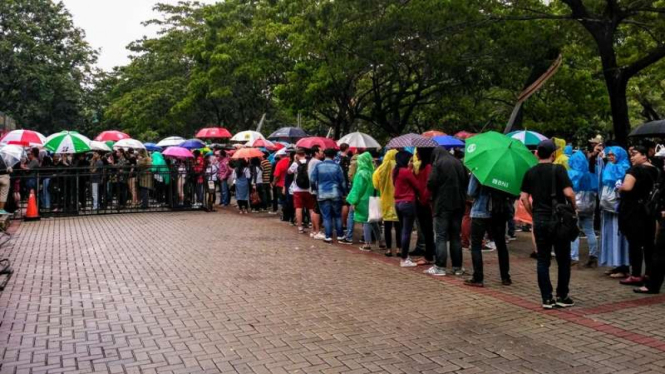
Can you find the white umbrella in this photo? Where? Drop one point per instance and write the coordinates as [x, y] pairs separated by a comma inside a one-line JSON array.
[[24, 138], [99, 146], [247, 136], [171, 141], [359, 140], [11, 154], [128, 143], [68, 142]]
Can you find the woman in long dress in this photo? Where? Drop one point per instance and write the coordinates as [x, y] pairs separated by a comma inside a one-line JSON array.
[[241, 178]]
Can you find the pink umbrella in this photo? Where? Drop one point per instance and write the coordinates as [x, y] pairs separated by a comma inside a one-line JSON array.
[[112, 135], [213, 133], [267, 144], [322, 142], [178, 152], [247, 153], [463, 135]]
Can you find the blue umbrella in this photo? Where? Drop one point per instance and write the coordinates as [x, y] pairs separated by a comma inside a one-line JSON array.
[[448, 141], [152, 147], [193, 144], [288, 133], [411, 140]]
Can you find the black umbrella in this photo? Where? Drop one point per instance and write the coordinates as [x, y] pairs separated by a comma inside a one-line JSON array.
[[653, 128], [288, 133]]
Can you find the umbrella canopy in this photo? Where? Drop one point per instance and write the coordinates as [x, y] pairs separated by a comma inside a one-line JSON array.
[[359, 140], [192, 144], [247, 153], [99, 146], [152, 147], [213, 133], [247, 136], [267, 144], [112, 135], [26, 138], [128, 143], [177, 152], [11, 154], [284, 151], [171, 141], [498, 161], [67, 142], [433, 133], [288, 133], [529, 138], [322, 142], [653, 128], [448, 141], [464, 135], [411, 140]]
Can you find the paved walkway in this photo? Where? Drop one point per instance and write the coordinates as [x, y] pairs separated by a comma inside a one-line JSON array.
[[219, 292]]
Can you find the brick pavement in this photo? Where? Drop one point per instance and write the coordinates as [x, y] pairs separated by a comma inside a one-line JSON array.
[[211, 293]]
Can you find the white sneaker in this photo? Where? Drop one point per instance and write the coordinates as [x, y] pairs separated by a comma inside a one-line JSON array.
[[436, 271], [311, 234], [407, 263], [319, 236]]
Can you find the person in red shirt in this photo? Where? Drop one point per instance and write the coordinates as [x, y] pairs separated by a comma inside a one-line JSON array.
[[279, 176], [406, 195], [423, 205]]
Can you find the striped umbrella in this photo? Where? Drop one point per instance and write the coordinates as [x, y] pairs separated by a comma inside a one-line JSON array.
[[26, 138], [411, 140], [528, 138], [67, 142]]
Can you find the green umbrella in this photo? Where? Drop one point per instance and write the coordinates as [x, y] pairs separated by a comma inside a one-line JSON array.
[[67, 142], [159, 166], [498, 161]]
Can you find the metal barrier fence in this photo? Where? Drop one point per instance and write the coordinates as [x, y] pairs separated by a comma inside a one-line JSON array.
[[71, 191]]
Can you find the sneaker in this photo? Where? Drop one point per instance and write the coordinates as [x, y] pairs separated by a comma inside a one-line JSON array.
[[489, 247], [592, 263], [436, 271], [473, 283], [311, 234], [534, 255], [549, 304], [512, 237], [365, 248], [574, 263], [271, 212], [344, 241], [564, 302], [301, 230], [506, 282], [407, 263], [327, 240], [459, 271], [2, 211], [319, 236]]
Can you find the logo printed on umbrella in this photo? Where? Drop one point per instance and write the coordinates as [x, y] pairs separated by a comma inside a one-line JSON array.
[[497, 182], [471, 148]]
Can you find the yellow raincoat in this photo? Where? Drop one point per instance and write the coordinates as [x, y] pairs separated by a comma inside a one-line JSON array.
[[383, 182], [559, 157]]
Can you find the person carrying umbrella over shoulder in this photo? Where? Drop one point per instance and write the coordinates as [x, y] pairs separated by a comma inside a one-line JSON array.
[[406, 194]]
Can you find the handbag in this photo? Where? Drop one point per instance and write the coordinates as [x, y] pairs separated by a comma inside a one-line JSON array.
[[564, 219], [375, 211], [586, 202], [609, 199], [254, 198]]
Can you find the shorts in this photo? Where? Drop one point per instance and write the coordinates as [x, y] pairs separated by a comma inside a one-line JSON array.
[[303, 200], [4, 187]]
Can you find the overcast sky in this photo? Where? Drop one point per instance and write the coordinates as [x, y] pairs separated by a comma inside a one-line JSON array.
[[112, 24]]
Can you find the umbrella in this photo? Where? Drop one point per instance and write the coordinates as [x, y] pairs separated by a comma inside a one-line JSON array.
[[152, 147], [529, 138], [192, 144], [448, 141], [433, 133], [129, 143], [653, 128], [247, 136], [99, 146], [159, 167], [26, 138], [284, 151], [288, 133], [464, 135], [67, 142], [411, 140], [12, 154], [213, 133], [262, 143], [359, 140], [498, 161], [171, 141], [323, 143], [112, 135], [247, 153], [177, 152]]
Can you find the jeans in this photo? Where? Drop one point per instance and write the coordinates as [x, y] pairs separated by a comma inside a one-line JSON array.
[[199, 193], [368, 229], [448, 228], [46, 195], [277, 198], [424, 213], [497, 227], [264, 192], [226, 194], [544, 244], [511, 219], [349, 225], [331, 210], [586, 224], [95, 195], [145, 197], [388, 235], [406, 211]]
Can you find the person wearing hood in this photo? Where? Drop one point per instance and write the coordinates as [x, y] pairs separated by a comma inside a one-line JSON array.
[[358, 197], [406, 195], [447, 184], [613, 244], [143, 163], [383, 182], [585, 186], [563, 152]]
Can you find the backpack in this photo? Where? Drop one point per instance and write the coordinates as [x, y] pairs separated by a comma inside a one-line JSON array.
[[652, 203], [500, 203], [302, 178], [564, 218]]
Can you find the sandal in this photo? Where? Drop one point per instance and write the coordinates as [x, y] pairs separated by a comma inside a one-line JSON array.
[[643, 290], [423, 262], [388, 253], [365, 248], [618, 275]]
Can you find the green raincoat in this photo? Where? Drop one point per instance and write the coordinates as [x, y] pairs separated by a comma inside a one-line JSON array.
[[363, 188], [159, 167]]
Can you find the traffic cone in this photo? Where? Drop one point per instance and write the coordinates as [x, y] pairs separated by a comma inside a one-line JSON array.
[[32, 214]]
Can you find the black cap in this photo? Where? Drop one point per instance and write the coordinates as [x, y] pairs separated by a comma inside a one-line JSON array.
[[547, 146]]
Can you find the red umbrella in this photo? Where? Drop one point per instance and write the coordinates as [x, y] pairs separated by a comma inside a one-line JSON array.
[[463, 135], [213, 133], [322, 142], [433, 133], [112, 135], [247, 153], [258, 143]]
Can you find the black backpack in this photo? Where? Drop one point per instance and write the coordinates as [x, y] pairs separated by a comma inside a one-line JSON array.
[[302, 177], [652, 203], [500, 203], [564, 218]]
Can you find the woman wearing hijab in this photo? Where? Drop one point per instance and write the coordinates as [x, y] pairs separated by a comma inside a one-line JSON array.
[[613, 245], [383, 181], [358, 197], [241, 179], [406, 195], [585, 186]]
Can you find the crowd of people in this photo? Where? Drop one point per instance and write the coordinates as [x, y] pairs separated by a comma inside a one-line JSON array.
[[327, 193]]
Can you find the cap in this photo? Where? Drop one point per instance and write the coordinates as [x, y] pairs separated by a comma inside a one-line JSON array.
[[547, 145], [597, 140]]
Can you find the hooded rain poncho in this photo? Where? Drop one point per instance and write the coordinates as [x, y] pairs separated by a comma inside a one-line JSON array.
[[362, 188], [579, 174], [612, 172], [383, 181]]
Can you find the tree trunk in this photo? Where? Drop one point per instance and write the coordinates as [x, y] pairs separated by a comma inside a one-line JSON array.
[[619, 105]]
